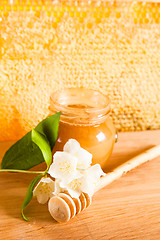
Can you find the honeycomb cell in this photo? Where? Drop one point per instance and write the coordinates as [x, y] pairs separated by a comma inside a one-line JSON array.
[[49, 14], [77, 14], [81, 20], [135, 20], [29, 2], [60, 14], [146, 20], [39, 8], [71, 14], [35, 2], [98, 20], [157, 20], [89, 25], [62, 9], [27, 8], [57, 19], [143, 14], [84, 14], [68, 8], [20, 8], [118, 15], [54, 25], [44, 8], [23, 2], [1, 7], [92, 9], [51, 8], [101, 14], [33, 8], [138, 14], [141, 20], [95, 14], [155, 9], [97, 9], [107, 13], [37, 14], [5, 14], [14, 8], [8, 8], [55, 14]]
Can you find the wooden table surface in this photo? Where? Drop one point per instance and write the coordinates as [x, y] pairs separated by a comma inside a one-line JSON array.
[[129, 208]]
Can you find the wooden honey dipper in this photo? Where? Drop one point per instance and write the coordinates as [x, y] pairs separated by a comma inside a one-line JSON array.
[[63, 207]]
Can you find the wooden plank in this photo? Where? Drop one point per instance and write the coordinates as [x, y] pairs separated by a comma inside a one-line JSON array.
[[129, 208]]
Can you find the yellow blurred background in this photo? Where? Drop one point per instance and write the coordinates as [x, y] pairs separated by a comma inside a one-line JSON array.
[[111, 46]]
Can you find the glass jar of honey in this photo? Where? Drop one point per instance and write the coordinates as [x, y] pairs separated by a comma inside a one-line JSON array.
[[85, 117]]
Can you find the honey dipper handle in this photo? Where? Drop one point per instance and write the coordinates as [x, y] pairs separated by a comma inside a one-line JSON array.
[[129, 165]]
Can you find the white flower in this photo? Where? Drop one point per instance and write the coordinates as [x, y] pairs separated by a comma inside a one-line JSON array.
[[73, 187], [95, 172], [83, 156], [64, 167], [72, 171], [44, 190], [86, 183], [58, 188], [91, 178], [71, 146]]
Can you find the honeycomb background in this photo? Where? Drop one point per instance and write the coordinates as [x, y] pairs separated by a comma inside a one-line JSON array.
[[111, 46]]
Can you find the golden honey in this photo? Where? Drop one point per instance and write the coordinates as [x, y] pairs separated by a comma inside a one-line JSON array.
[[85, 117]]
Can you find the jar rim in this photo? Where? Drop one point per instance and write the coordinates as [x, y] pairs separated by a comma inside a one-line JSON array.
[[92, 103]]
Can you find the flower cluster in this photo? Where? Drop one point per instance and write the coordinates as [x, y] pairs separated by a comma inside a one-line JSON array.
[[72, 171]]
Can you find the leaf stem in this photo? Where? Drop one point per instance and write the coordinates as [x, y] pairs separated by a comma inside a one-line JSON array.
[[22, 171]]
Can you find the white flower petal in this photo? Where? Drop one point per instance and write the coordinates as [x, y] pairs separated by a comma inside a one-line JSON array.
[[77, 186], [78, 174], [72, 146], [63, 166], [42, 199], [91, 178], [46, 180], [95, 172], [43, 190], [73, 187], [87, 185], [84, 159], [74, 194], [58, 188]]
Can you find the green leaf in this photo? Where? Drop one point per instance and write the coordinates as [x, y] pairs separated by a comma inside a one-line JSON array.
[[22, 155], [49, 128], [41, 141], [29, 195], [25, 154]]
